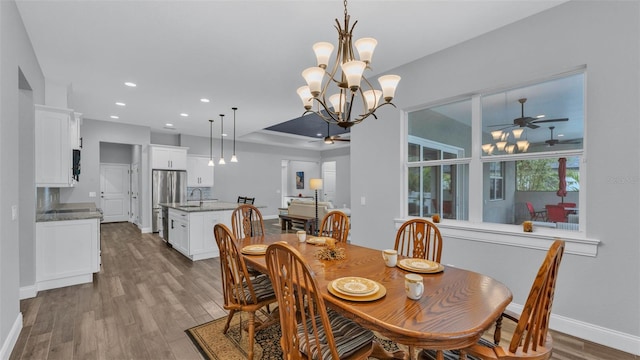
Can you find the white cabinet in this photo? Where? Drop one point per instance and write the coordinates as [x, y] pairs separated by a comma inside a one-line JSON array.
[[191, 233], [168, 157], [74, 131], [53, 147], [67, 252], [199, 173]]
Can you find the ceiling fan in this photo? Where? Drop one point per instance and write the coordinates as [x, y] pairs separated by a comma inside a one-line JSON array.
[[553, 141], [331, 139], [528, 121]]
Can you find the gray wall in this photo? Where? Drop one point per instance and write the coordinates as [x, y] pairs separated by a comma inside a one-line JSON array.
[[111, 153], [342, 157], [17, 54], [605, 37], [311, 170]]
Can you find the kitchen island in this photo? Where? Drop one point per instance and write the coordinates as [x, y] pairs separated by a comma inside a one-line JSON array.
[[67, 245], [190, 226]]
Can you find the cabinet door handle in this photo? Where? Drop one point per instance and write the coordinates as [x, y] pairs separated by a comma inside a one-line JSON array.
[[172, 223], [184, 226]]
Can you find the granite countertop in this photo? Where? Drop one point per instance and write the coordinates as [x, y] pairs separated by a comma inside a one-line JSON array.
[[194, 206], [70, 211]]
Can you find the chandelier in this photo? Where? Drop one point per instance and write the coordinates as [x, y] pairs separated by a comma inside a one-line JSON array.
[[347, 76]]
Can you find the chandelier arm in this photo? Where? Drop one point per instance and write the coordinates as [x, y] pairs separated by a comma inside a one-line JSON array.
[[332, 115], [353, 94]]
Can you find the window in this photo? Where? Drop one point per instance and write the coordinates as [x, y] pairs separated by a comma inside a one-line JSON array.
[[496, 184], [521, 135]]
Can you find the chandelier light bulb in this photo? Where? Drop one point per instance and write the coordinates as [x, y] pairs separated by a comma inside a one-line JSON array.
[[372, 97], [496, 134], [313, 77], [501, 144], [517, 133], [389, 84], [488, 148], [365, 47], [323, 52], [338, 101], [306, 97], [523, 145], [353, 72]]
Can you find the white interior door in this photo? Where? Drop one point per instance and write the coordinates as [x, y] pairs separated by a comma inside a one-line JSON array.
[[134, 217], [114, 192], [329, 181]]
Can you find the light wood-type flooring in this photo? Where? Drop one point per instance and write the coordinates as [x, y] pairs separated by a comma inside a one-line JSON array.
[[144, 298]]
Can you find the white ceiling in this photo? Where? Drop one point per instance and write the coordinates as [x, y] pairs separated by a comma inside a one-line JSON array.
[[247, 54]]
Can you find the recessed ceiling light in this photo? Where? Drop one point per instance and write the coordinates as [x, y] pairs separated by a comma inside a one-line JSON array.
[[184, 114], [224, 134], [318, 134], [204, 100], [540, 116], [560, 135], [114, 117], [168, 124], [130, 84], [121, 104]]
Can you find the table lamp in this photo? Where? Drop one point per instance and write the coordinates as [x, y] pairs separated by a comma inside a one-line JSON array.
[[316, 184]]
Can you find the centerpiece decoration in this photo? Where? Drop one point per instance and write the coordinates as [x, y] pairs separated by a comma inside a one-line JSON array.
[[330, 251]]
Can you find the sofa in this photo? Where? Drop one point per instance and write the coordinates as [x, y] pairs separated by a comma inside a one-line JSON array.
[[307, 209]]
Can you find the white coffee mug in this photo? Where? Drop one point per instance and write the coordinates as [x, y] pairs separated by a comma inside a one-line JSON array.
[[413, 286], [390, 257], [302, 235]]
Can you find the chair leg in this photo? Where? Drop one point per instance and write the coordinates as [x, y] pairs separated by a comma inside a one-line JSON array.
[[498, 332], [229, 317], [252, 319]]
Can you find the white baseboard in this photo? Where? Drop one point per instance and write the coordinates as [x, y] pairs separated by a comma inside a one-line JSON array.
[[28, 292], [590, 332], [12, 338], [66, 281], [145, 230], [270, 217]]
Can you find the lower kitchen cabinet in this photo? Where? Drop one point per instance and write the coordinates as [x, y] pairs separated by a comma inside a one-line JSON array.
[[67, 252], [191, 233]]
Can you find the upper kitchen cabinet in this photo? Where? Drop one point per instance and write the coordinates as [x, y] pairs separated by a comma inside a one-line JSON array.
[[168, 157], [74, 131], [199, 173], [54, 146]]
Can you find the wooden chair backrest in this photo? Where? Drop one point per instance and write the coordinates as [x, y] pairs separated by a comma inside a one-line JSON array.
[[419, 238], [246, 221], [235, 277], [299, 300], [335, 224], [556, 213], [531, 330]]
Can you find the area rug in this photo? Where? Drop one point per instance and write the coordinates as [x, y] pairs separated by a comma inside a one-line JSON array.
[[215, 345]]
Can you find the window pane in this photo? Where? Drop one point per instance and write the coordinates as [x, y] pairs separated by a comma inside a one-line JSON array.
[[414, 152], [446, 128], [444, 191], [544, 117]]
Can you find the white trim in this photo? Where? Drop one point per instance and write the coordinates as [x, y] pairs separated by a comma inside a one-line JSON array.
[[28, 292], [590, 332], [12, 338], [512, 235], [65, 281], [145, 230]]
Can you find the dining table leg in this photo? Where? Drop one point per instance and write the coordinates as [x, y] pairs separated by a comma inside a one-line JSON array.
[[380, 352]]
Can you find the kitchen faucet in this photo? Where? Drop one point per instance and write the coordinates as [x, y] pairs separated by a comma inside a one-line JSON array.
[[200, 190]]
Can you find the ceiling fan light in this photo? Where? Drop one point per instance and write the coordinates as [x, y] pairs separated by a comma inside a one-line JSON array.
[[328, 140], [496, 134], [353, 71], [517, 132], [365, 48], [305, 95], [313, 77], [338, 101], [372, 97], [389, 83], [323, 52]]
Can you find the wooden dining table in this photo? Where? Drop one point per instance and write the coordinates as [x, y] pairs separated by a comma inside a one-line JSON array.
[[455, 310]]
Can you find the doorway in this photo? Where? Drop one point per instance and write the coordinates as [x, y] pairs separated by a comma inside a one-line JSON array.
[[329, 181], [114, 192]]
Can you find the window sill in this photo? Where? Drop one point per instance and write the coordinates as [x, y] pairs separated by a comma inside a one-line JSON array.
[[503, 234]]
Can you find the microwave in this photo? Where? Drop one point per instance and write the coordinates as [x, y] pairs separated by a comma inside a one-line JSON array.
[[75, 169]]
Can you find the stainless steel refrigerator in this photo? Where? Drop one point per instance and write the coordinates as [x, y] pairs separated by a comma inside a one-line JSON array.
[[168, 186]]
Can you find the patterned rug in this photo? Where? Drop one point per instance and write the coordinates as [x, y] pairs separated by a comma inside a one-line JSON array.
[[215, 345]]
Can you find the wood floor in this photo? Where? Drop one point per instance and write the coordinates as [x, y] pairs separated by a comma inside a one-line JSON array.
[[143, 299]]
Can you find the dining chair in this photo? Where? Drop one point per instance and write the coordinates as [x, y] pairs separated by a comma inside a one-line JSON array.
[[536, 215], [240, 291], [246, 221], [419, 238], [335, 224], [309, 329], [556, 213], [531, 339]]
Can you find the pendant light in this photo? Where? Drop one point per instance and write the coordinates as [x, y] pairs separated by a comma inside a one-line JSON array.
[[233, 157], [210, 143], [221, 162]]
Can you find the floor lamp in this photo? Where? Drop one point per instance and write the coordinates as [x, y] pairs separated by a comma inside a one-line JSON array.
[[315, 184]]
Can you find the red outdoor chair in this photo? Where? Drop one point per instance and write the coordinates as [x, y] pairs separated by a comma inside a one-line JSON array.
[[536, 215], [556, 213]]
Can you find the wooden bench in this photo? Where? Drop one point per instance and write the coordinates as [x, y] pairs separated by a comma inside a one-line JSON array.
[[307, 223]]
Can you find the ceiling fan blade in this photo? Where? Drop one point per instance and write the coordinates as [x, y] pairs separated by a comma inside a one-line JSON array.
[[549, 120], [339, 139], [532, 126], [503, 125]]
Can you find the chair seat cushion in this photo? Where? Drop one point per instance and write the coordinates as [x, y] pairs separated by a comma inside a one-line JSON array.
[[262, 288], [349, 337], [454, 354]]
